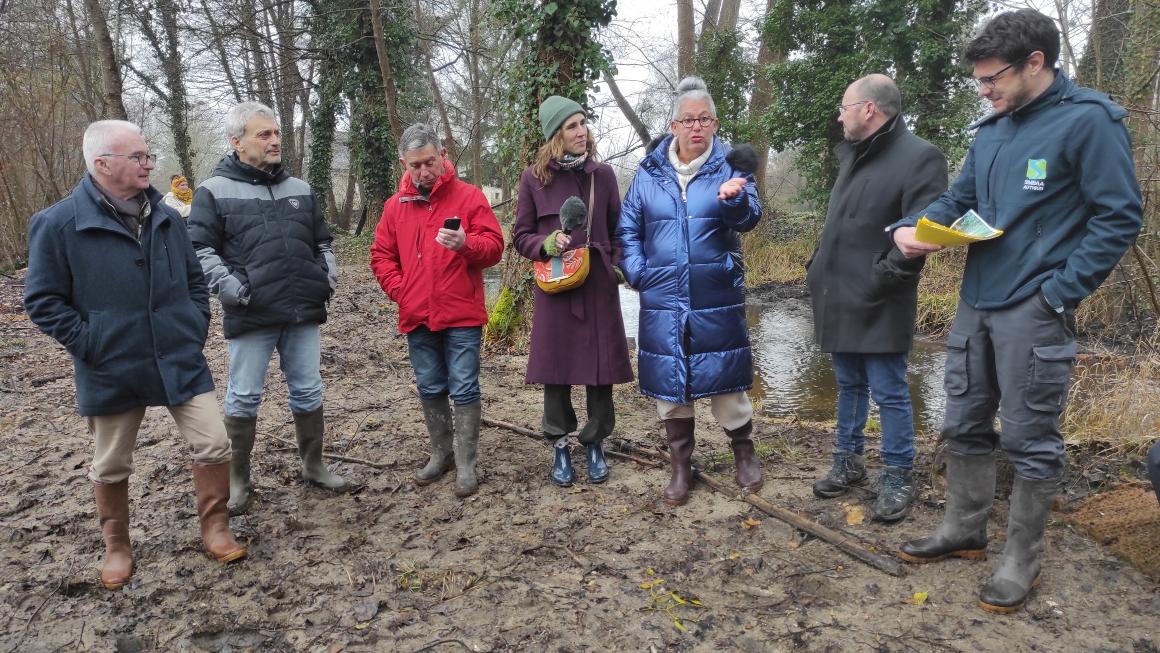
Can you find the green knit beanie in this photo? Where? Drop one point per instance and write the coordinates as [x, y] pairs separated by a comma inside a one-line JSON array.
[[554, 111]]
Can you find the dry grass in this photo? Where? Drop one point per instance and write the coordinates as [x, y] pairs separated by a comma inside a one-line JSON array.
[[1115, 402], [776, 261]]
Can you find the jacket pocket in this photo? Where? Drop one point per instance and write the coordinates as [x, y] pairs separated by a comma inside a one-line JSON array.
[[957, 380], [1049, 376], [92, 338]]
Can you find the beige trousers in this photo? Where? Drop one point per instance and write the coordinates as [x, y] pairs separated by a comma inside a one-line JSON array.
[[115, 437], [732, 410]]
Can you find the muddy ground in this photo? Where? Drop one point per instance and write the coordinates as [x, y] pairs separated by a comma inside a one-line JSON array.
[[522, 565]]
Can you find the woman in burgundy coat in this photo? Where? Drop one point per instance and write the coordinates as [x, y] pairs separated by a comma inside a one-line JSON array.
[[577, 335]]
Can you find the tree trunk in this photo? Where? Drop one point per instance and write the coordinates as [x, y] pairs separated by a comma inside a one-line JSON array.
[[1101, 62], [771, 51], [708, 24], [436, 93], [389, 90], [110, 70], [626, 108], [686, 39], [260, 73], [219, 50], [730, 14]]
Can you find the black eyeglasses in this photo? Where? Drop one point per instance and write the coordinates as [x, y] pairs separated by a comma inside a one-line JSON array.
[[705, 121], [989, 80], [140, 159]]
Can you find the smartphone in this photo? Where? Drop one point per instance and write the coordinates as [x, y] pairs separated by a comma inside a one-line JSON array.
[[451, 224]]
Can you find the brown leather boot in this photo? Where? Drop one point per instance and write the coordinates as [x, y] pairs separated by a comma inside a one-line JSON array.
[[745, 457], [212, 483], [113, 513], [681, 443]]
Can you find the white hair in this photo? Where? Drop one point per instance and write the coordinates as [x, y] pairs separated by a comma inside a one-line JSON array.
[[417, 137], [99, 137], [692, 88], [238, 117]]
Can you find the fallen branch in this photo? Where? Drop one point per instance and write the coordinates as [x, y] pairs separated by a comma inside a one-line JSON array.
[[512, 427], [842, 542], [333, 456], [639, 461]]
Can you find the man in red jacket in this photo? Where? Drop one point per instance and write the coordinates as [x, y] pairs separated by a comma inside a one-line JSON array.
[[435, 238]]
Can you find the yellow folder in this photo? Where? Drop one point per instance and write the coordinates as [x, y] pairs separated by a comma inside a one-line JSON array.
[[966, 230]]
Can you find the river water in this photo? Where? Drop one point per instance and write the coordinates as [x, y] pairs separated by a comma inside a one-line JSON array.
[[793, 378]]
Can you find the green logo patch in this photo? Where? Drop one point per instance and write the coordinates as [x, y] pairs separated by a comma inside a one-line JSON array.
[[1037, 169]]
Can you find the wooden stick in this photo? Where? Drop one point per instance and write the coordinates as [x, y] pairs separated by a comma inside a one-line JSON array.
[[639, 461], [512, 427], [843, 542], [333, 456]]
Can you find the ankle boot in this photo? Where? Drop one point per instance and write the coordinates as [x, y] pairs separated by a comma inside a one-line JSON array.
[[963, 531], [466, 447], [113, 516], [1018, 570], [562, 474], [748, 473], [681, 443], [241, 431], [597, 465], [437, 414], [308, 430], [212, 483], [849, 468]]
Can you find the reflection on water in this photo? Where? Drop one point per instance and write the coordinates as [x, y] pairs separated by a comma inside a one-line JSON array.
[[792, 377]]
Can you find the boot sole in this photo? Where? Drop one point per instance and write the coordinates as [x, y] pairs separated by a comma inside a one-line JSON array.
[[837, 493], [1008, 609], [344, 488], [966, 554], [676, 502], [430, 481], [114, 586]]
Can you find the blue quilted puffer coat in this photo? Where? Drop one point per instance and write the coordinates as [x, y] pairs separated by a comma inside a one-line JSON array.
[[682, 252]]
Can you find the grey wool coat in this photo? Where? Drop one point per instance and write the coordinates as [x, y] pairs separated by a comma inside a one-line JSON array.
[[577, 336], [864, 292]]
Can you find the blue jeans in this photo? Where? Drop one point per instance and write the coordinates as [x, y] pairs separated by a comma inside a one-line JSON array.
[[884, 376], [299, 352], [446, 362]]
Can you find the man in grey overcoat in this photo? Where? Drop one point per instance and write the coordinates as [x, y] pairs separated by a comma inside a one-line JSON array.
[[864, 292]]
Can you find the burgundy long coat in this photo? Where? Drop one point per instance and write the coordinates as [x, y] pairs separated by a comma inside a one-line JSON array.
[[577, 335]]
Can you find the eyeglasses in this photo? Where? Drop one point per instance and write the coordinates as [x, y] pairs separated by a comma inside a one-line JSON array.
[[704, 121], [842, 107], [140, 159], [989, 80]]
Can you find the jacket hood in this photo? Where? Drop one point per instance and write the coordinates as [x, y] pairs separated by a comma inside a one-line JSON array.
[[408, 187], [231, 167]]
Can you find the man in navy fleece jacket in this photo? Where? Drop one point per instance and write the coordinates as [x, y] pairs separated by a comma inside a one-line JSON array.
[[1052, 167]]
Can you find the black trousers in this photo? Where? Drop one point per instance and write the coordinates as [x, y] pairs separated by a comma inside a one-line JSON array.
[[560, 417]]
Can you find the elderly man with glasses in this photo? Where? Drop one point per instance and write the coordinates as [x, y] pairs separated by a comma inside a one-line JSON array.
[[112, 276], [1052, 167]]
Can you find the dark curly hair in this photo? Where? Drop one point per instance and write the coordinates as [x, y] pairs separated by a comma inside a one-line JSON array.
[[1012, 36]]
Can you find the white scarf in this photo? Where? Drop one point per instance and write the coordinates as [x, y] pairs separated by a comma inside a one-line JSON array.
[[686, 171]]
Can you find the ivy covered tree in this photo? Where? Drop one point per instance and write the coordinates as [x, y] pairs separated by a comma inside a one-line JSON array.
[[558, 55], [838, 41]]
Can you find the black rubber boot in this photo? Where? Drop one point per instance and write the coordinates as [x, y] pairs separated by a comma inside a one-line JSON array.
[[848, 469], [308, 430], [241, 431], [437, 414], [1018, 570], [963, 531], [466, 420]]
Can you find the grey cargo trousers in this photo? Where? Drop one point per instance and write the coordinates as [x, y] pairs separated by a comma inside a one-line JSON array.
[[1015, 361]]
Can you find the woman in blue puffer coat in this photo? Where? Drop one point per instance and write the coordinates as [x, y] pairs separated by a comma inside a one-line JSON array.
[[679, 230]]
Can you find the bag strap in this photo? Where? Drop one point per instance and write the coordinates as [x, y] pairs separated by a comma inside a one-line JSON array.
[[591, 201]]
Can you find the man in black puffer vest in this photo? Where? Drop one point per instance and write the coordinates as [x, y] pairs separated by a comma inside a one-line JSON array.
[[266, 252]]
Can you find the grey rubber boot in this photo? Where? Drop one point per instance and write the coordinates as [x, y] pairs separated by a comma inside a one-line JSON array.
[[308, 430], [849, 468], [963, 531], [241, 431], [1018, 571], [437, 414], [466, 420]]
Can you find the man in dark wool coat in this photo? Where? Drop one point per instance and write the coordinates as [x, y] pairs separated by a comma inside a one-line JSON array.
[[864, 291]]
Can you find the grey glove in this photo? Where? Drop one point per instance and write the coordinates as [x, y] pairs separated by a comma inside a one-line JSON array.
[[232, 292]]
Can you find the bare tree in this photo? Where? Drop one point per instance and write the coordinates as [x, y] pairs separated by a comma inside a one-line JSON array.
[[110, 69]]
